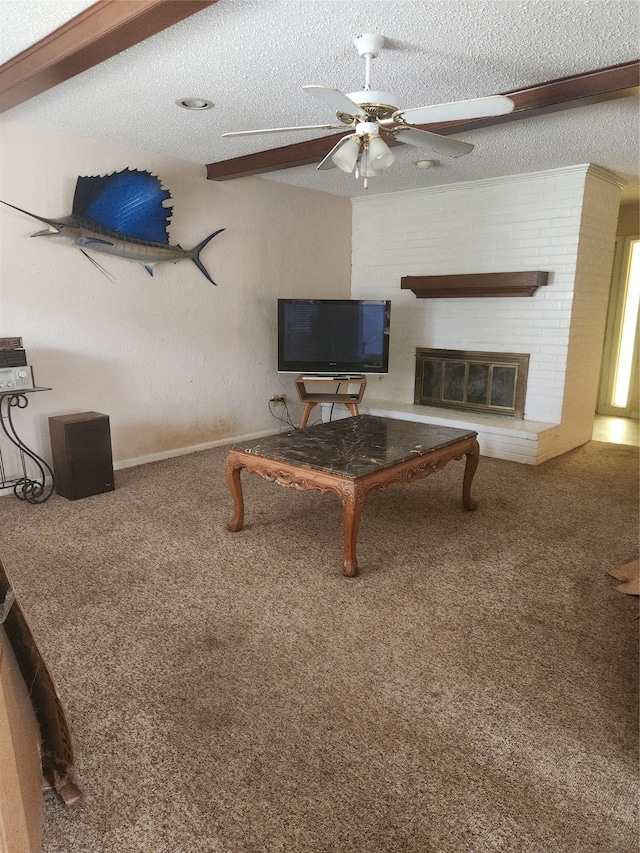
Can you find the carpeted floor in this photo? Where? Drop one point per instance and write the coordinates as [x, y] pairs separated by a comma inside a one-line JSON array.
[[473, 689]]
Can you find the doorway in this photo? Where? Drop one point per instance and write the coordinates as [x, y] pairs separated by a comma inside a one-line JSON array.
[[619, 393]]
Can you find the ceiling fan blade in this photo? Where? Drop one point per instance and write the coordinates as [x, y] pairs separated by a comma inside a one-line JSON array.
[[285, 129], [494, 105], [335, 99], [432, 141], [327, 162]]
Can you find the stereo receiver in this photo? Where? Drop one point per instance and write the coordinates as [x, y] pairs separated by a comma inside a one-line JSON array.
[[15, 378]]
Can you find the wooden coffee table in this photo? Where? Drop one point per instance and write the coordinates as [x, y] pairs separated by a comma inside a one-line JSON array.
[[350, 457]]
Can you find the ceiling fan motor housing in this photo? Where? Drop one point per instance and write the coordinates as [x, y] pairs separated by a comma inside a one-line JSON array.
[[366, 129], [377, 104]]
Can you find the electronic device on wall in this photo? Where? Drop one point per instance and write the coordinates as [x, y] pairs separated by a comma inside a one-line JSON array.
[[333, 336]]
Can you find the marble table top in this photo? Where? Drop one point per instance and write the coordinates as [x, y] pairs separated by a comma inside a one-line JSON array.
[[354, 447]]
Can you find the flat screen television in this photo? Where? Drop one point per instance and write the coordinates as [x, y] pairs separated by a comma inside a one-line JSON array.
[[333, 336]]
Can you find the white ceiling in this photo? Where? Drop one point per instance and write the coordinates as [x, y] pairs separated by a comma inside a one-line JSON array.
[[252, 57]]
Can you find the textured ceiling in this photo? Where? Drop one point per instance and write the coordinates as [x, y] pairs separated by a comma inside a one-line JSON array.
[[251, 58]]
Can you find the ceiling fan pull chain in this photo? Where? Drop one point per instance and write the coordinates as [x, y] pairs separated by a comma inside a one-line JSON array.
[[365, 164]]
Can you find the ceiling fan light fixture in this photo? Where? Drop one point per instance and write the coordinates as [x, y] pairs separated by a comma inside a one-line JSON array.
[[346, 156], [380, 154], [368, 169]]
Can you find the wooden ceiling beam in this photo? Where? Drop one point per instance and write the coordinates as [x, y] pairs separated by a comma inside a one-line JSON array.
[[592, 87], [98, 33]]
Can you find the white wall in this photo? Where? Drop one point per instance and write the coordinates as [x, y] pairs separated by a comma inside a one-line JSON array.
[[175, 362], [590, 302], [562, 221]]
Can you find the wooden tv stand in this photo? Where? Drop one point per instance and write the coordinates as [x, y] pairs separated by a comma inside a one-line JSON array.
[[318, 392]]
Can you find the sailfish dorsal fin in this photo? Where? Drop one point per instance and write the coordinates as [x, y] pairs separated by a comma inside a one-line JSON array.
[[130, 202]]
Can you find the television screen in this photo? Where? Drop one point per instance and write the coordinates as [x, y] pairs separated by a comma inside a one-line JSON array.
[[331, 336]]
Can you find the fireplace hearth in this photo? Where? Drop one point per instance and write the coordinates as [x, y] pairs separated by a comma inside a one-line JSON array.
[[491, 382]]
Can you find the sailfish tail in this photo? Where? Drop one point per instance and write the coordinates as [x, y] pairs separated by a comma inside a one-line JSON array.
[[195, 254]]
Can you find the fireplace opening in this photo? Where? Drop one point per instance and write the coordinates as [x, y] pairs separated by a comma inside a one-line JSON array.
[[492, 382]]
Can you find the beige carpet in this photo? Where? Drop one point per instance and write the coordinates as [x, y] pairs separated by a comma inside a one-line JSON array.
[[473, 689]]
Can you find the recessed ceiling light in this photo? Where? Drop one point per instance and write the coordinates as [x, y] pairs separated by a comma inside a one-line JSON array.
[[425, 164], [194, 103]]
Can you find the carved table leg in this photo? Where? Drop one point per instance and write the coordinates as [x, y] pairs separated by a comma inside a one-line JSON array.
[[352, 500], [473, 457], [232, 473]]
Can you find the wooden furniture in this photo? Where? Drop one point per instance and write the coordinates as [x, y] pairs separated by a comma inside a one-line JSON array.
[[21, 803], [475, 284], [350, 457], [54, 747], [326, 389]]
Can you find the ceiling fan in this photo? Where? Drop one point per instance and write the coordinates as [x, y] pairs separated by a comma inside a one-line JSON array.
[[374, 114]]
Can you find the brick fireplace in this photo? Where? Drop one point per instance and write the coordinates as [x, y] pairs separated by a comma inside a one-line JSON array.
[[562, 221]]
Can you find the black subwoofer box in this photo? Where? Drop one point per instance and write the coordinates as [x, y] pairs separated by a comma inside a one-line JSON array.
[[82, 459]]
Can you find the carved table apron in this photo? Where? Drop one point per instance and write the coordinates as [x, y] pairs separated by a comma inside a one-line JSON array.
[[351, 457]]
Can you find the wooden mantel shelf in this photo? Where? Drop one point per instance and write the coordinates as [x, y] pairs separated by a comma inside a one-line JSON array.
[[476, 284]]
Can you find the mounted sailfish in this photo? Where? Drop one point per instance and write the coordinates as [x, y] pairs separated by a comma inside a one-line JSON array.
[[121, 214]]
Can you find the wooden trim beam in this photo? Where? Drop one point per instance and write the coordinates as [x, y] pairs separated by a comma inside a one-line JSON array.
[[98, 33], [592, 87], [274, 159]]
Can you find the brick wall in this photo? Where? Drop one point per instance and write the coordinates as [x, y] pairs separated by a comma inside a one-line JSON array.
[[590, 301], [562, 221]]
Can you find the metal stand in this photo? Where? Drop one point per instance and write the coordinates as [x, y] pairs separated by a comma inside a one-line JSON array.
[[32, 489]]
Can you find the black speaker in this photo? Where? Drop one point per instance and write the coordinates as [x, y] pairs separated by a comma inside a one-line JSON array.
[[82, 460]]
